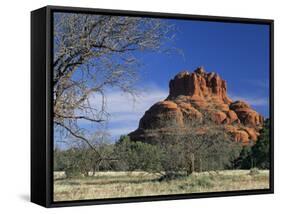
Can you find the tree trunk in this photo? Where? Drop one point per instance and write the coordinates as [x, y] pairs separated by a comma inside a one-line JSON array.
[[96, 166], [94, 170], [200, 165], [192, 162]]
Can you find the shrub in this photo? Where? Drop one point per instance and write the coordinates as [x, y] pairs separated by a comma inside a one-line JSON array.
[[254, 171], [137, 155], [75, 161], [72, 172]]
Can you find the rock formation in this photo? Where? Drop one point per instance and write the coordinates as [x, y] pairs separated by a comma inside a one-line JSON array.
[[193, 97]]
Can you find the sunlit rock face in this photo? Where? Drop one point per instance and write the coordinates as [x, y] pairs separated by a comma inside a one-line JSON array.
[[193, 96]]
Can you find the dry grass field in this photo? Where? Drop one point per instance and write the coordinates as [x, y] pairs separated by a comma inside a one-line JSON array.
[[125, 184]]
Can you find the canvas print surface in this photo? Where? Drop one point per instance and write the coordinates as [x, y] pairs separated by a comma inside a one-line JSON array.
[[151, 106]]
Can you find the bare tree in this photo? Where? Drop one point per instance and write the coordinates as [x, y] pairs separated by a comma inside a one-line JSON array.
[[91, 54], [200, 141]]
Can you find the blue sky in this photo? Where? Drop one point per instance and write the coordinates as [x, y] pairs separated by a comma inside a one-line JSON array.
[[239, 53]]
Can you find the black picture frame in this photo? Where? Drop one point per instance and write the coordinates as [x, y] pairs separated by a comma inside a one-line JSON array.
[[41, 105]]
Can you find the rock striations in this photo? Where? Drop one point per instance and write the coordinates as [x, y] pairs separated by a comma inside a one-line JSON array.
[[193, 97]]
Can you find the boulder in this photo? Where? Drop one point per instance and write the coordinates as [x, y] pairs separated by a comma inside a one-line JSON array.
[[232, 117]]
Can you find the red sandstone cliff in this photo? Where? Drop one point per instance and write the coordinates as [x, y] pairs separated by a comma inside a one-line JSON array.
[[194, 95]]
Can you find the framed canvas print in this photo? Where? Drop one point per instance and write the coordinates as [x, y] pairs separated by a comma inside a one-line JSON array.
[[140, 106]]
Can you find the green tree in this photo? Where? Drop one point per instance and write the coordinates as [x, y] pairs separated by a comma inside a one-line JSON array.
[[60, 160], [260, 151], [80, 162], [245, 159], [137, 155], [258, 154]]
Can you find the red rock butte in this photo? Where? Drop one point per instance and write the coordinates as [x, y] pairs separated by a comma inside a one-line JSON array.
[[191, 96]]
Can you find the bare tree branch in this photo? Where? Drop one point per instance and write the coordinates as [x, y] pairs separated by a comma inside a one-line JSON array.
[[77, 136], [80, 117]]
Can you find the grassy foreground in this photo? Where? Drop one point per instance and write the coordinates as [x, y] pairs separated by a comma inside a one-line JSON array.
[[125, 184]]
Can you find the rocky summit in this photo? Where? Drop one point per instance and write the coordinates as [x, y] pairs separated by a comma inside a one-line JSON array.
[[193, 97]]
